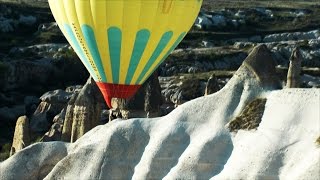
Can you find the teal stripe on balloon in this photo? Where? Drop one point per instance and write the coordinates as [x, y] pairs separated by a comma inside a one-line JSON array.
[[140, 44], [161, 45], [79, 51], [176, 43], [114, 40], [89, 36]]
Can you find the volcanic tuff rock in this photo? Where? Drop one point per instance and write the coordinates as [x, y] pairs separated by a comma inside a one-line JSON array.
[[54, 133], [293, 77], [192, 142], [21, 137], [83, 112], [52, 103]]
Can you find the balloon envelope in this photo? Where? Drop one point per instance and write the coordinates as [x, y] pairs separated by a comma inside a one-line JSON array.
[[122, 42]]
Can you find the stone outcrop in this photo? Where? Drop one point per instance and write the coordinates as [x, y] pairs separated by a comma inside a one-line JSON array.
[[21, 137], [187, 90], [83, 112], [293, 77], [51, 104], [54, 133], [153, 97], [261, 62], [67, 124], [179, 89]]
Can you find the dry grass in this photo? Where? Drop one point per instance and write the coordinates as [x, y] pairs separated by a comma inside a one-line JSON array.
[[250, 117], [318, 141]]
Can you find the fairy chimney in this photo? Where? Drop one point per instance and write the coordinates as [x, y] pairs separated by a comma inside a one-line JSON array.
[[293, 77]]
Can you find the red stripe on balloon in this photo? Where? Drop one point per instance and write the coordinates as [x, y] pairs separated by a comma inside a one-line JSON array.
[[110, 91]]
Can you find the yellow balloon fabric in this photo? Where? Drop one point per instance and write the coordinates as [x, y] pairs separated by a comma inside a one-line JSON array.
[[124, 41]]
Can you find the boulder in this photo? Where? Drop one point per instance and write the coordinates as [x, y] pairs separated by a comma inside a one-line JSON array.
[[21, 138]]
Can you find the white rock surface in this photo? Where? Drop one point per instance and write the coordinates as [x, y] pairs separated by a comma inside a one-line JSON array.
[[192, 142], [292, 36]]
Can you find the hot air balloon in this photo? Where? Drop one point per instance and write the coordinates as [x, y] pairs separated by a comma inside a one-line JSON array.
[[121, 42]]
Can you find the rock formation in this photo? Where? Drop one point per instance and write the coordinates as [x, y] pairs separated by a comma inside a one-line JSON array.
[[192, 142], [67, 123], [153, 97], [51, 104], [83, 112], [262, 64], [21, 137], [54, 133], [293, 77]]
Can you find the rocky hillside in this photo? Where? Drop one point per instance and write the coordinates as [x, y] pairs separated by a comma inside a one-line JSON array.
[[38, 84], [197, 140]]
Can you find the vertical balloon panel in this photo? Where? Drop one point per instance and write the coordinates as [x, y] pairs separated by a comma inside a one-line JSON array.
[[122, 42]]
